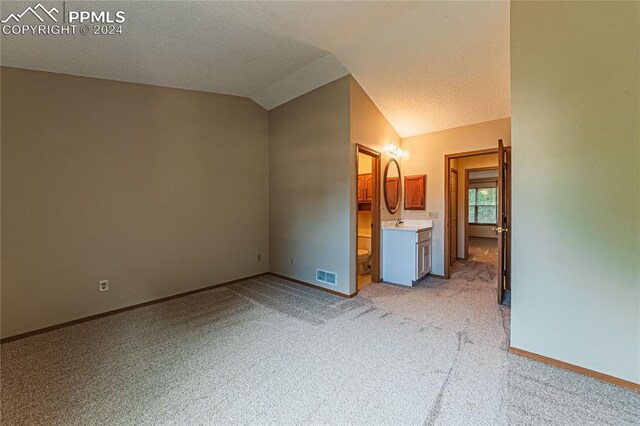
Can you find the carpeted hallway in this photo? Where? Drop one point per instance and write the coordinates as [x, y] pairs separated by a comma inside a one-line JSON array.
[[267, 351]]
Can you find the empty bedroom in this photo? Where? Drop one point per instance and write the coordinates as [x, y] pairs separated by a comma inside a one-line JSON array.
[[320, 212]]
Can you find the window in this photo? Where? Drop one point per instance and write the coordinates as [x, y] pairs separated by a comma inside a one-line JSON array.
[[483, 205]]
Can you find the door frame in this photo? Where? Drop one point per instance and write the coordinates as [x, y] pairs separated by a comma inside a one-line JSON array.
[[376, 161], [466, 205], [452, 170], [503, 227], [447, 200]]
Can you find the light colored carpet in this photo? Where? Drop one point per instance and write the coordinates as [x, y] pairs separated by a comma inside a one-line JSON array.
[[267, 351]]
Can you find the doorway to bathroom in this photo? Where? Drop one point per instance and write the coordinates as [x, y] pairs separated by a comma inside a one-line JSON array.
[[368, 216]]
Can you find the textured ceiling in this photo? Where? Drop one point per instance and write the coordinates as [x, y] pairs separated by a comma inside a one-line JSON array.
[[442, 65], [427, 65]]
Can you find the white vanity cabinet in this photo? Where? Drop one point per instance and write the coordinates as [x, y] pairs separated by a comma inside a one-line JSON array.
[[406, 251], [423, 261]]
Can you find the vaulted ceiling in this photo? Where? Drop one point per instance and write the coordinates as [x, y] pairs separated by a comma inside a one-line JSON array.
[[427, 65]]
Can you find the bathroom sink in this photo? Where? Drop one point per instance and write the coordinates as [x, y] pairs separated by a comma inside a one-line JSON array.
[[407, 225]]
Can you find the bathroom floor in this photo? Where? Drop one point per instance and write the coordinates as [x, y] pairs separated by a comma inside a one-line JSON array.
[[363, 280]]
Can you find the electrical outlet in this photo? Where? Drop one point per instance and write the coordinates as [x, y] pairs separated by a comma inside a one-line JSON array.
[[259, 257], [293, 261], [103, 285], [433, 215]]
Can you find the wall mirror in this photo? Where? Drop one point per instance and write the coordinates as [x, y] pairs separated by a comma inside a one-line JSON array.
[[392, 186]]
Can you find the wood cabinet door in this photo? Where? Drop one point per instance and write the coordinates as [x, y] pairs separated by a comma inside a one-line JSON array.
[[415, 192], [368, 187], [360, 188], [365, 188]]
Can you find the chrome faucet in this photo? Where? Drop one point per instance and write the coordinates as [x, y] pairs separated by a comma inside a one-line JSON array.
[[398, 222]]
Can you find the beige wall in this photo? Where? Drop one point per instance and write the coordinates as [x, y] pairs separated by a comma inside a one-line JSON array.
[[158, 190], [364, 223], [426, 155], [309, 185], [370, 128], [576, 183], [132, 184], [364, 164], [313, 208], [482, 232], [463, 164]]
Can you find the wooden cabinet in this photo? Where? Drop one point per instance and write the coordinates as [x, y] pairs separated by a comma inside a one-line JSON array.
[[415, 192], [365, 188], [360, 188], [368, 188]]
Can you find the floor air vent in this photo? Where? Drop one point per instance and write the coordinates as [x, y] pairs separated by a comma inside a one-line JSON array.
[[326, 277]]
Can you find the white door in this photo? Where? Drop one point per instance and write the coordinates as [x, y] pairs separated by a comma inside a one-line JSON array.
[[423, 252]]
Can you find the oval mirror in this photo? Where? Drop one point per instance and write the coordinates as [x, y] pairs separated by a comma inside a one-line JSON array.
[[392, 186]]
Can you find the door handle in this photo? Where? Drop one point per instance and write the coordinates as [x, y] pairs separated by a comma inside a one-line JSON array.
[[499, 229]]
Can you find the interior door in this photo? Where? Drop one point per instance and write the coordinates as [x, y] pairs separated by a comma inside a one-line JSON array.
[[368, 187], [504, 221], [453, 217]]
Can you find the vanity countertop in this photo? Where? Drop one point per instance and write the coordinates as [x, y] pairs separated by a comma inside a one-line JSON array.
[[407, 225]]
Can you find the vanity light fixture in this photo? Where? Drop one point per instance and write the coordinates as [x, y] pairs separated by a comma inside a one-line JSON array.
[[396, 150]]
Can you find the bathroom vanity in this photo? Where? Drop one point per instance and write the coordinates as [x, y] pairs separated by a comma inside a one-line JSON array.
[[406, 251]]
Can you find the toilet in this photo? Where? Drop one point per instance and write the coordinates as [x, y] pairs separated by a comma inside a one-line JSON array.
[[363, 261]]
